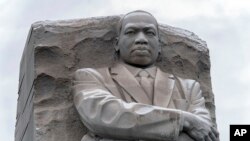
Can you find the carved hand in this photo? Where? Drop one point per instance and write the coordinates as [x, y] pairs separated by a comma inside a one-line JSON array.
[[198, 129], [184, 137]]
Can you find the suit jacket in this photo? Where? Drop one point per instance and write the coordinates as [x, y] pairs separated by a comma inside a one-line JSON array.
[[113, 106]]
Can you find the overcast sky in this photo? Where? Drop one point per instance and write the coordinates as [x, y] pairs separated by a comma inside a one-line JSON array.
[[223, 24]]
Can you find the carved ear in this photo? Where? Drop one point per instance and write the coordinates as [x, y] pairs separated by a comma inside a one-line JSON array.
[[116, 44], [160, 49], [160, 46]]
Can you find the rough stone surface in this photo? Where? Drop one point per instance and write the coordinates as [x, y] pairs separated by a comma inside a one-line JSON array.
[[55, 49]]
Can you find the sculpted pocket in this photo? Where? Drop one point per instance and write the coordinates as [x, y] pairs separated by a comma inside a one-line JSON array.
[[181, 104]]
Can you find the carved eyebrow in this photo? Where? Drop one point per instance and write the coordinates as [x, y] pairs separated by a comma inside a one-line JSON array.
[[132, 26], [150, 28]]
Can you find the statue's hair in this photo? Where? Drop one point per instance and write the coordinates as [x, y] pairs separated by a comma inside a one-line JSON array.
[[119, 25]]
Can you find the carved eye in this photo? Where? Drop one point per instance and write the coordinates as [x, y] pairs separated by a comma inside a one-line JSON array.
[[150, 33], [130, 32]]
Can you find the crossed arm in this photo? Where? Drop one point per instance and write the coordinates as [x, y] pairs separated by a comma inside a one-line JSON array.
[[103, 114]]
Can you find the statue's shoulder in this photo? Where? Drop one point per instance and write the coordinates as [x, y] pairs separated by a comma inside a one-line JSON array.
[[190, 88], [185, 82], [94, 72], [91, 70], [180, 81]]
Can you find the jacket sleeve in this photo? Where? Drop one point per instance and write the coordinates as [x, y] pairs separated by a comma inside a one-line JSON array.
[[110, 117], [197, 102]]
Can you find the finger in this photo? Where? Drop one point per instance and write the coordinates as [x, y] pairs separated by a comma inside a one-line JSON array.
[[212, 136], [201, 139], [196, 136], [216, 133], [207, 138]]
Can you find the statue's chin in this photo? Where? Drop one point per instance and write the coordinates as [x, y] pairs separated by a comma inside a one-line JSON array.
[[141, 62]]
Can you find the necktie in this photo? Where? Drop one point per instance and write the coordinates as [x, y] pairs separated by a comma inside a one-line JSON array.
[[146, 84]]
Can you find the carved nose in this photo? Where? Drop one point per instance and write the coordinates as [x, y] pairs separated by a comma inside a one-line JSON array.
[[141, 39]]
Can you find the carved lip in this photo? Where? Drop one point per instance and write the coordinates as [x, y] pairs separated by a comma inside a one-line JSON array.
[[140, 48], [141, 52]]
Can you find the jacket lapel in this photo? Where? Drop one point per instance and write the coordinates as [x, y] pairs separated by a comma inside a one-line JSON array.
[[163, 88], [108, 82], [128, 82]]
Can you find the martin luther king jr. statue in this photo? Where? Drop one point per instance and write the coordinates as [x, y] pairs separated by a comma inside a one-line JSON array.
[[134, 99]]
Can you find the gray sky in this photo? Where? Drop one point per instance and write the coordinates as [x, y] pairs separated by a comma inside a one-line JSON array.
[[223, 24]]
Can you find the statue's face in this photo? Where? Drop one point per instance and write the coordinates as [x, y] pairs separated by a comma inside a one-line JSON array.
[[138, 40]]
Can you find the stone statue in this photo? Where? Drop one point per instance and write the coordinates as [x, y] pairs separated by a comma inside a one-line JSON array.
[[134, 99]]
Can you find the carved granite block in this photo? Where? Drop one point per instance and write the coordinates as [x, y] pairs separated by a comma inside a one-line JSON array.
[[55, 49]]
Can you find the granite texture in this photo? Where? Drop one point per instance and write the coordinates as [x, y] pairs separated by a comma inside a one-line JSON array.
[[55, 49]]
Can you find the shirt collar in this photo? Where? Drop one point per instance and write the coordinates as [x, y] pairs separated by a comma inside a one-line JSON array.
[[135, 70]]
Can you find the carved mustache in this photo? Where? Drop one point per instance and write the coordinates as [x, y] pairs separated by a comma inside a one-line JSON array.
[[143, 51]]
